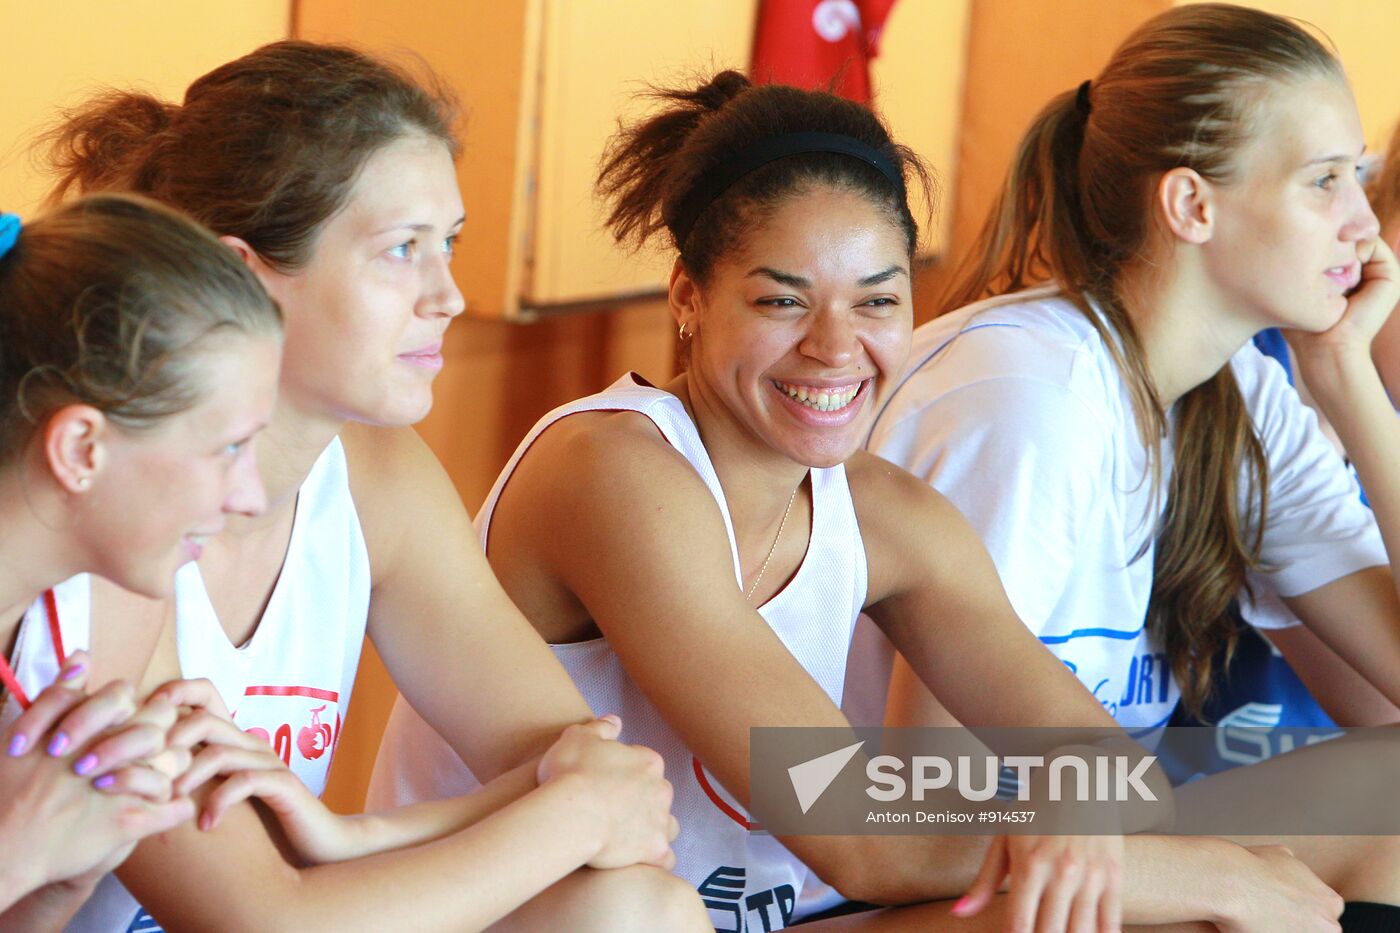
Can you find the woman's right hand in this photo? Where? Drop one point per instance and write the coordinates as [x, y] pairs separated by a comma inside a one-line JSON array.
[[124, 748], [626, 787], [1057, 882], [1275, 891], [73, 823]]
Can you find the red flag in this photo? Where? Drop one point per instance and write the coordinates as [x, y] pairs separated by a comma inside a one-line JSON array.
[[811, 43]]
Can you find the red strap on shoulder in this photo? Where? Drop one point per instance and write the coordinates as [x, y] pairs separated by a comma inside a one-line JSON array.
[[7, 676], [55, 631]]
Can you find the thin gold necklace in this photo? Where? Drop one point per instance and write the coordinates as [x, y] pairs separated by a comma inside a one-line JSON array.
[[774, 546]]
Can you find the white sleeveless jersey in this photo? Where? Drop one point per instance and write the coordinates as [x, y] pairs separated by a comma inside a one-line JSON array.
[[747, 881], [35, 660], [290, 683]]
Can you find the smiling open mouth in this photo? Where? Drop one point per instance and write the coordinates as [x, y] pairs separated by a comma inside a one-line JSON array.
[[821, 398]]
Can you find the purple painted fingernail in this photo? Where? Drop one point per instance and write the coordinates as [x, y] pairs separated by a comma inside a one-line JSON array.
[[85, 764], [18, 744], [104, 782], [58, 744], [73, 672]]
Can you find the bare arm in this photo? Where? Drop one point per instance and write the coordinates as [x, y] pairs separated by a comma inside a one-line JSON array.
[[1042, 465], [935, 593], [244, 874], [648, 559], [1358, 616], [236, 878], [451, 638], [1345, 695], [1385, 349]]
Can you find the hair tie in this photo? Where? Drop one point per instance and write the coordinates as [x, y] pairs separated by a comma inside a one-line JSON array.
[[713, 183], [9, 232], [1081, 99]]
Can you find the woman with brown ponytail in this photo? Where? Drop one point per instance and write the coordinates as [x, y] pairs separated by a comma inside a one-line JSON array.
[[1129, 458], [331, 175]]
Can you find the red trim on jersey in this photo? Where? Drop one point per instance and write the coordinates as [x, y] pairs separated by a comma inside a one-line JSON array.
[[7, 676], [51, 604], [315, 693], [716, 799]]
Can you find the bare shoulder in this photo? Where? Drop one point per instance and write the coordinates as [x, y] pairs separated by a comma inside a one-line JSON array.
[[392, 467], [609, 452], [403, 497], [890, 500], [386, 458], [906, 524]]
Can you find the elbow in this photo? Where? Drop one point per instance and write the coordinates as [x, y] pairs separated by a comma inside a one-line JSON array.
[[889, 871], [857, 882], [854, 883], [858, 873]]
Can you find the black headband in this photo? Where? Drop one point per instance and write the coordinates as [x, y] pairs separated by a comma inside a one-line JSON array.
[[715, 182]]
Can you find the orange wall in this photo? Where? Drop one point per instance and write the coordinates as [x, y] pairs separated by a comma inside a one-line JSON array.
[[58, 52], [1020, 54]]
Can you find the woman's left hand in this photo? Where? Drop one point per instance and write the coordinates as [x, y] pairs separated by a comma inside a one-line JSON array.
[[1057, 883]]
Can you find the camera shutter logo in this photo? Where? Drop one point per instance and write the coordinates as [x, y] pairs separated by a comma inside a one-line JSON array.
[[811, 778]]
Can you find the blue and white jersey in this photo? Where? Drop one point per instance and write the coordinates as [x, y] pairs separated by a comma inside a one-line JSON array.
[[1258, 692], [1015, 410], [1261, 709]]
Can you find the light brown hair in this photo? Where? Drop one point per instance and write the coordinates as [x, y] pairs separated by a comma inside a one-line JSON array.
[[265, 148], [1077, 209], [108, 301], [1383, 188]]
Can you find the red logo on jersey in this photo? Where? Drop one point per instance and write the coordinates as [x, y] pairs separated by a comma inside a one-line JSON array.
[[281, 743], [313, 740]]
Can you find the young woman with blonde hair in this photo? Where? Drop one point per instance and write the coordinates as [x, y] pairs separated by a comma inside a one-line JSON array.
[[138, 358], [1131, 461]]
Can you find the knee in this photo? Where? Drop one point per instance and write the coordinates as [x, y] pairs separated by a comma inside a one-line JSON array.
[[642, 898]]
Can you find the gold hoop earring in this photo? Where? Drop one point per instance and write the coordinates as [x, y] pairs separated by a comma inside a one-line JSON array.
[[682, 334]]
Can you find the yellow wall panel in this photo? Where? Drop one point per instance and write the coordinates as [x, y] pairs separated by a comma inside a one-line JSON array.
[[57, 52], [598, 55], [918, 81], [1020, 54]]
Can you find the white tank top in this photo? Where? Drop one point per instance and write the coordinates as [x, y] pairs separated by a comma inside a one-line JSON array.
[[748, 881], [290, 683], [35, 660]]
